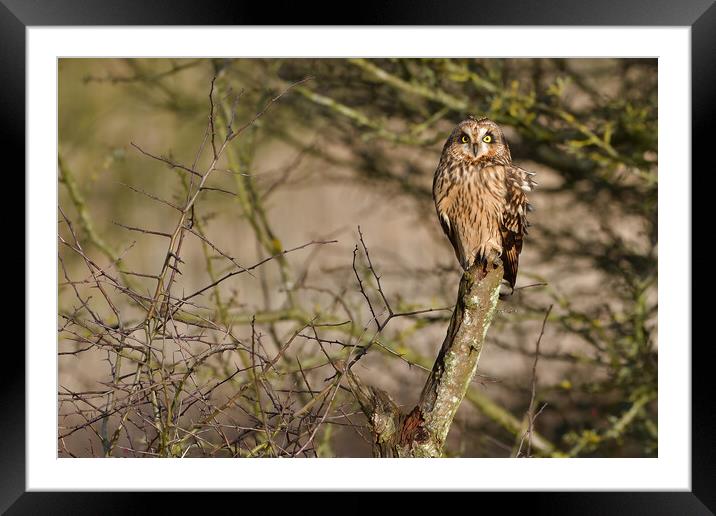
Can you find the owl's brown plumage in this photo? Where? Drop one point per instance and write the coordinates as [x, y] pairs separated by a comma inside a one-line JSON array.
[[480, 196]]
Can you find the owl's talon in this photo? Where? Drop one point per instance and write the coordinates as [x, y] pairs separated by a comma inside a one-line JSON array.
[[494, 258]]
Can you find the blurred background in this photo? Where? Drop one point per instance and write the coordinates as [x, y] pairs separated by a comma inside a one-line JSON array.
[[242, 368]]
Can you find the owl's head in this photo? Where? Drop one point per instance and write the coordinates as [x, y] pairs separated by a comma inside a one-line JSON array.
[[478, 140]]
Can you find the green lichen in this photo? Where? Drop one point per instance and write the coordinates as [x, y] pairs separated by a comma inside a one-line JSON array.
[[472, 317]]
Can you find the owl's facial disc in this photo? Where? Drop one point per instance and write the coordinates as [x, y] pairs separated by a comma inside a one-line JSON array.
[[470, 144], [479, 141], [483, 140]]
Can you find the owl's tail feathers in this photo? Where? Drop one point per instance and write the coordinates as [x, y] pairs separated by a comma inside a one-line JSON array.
[[510, 276], [511, 257]]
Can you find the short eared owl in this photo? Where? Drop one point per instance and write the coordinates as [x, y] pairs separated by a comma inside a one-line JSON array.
[[480, 197]]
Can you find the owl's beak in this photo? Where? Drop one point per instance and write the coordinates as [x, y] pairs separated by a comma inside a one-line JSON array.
[[474, 149]]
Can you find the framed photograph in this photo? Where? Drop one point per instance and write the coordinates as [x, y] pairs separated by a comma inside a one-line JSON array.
[[418, 249]]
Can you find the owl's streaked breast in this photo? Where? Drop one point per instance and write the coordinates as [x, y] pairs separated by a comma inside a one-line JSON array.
[[470, 199]]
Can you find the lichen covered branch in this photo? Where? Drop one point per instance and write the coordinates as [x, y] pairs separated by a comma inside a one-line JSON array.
[[422, 433]]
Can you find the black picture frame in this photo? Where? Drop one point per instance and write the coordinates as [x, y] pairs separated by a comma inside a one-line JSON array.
[[700, 15]]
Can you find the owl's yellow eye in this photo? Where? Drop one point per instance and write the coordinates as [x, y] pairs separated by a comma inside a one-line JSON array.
[[487, 138], [465, 138]]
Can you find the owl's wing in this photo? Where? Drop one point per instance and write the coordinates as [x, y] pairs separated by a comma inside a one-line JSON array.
[[443, 198], [452, 235], [514, 218]]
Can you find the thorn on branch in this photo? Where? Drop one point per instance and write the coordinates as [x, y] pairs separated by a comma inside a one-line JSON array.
[[172, 164]]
